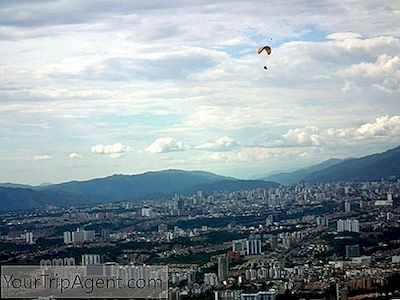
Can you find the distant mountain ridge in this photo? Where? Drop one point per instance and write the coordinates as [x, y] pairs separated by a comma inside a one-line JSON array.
[[368, 168], [290, 178], [166, 183], [15, 185], [16, 198], [123, 187]]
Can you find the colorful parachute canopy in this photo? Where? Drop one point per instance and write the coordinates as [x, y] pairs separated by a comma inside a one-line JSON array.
[[266, 48]]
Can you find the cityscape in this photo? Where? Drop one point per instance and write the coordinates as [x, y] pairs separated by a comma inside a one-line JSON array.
[[324, 241], [205, 149]]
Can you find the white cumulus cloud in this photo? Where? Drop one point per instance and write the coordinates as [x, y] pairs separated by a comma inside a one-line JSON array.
[[384, 128], [75, 155], [114, 150], [164, 145], [222, 144], [307, 136], [40, 157]]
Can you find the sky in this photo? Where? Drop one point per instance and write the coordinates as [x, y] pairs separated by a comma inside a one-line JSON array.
[[93, 88]]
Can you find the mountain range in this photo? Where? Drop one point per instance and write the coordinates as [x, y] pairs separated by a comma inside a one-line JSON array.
[[368, 168], [289, 178], [121, 188], [169, 182]]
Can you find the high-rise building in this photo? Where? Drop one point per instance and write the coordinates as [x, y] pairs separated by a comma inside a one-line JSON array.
[[323, 221], [147, 212], [68, 237], [340, 225], [105, 235], [239, 246], [29, 238], [81, 236], [191, 276], [78, 236], [355, 226], [350, 225], [223, 268], [347, 206], [90, 259], [211, 279], [254, 245], [389, 197], [273, 241], [270, 220]]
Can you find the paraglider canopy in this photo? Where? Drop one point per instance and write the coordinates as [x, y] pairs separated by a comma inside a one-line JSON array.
[[267, 49]]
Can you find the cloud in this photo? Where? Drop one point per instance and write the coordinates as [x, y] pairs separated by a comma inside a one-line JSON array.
[[384, 128], [244, 155], [41, 157], [164, 145], [222, 144], [114, 150], [384, 65], [340, 36], [251, 155], [307, 136], [91, 72], [389, 85], [75, 155], [222, 116]]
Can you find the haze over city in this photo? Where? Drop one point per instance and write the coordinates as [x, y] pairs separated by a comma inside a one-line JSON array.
[[93, 88]]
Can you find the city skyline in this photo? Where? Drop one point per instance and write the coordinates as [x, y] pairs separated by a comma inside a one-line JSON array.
[[89, 90]]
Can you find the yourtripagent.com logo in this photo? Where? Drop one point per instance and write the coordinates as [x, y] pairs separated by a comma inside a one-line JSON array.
[[97, 281]]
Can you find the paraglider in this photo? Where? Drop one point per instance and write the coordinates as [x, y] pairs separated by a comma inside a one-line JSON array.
[[267, 50]]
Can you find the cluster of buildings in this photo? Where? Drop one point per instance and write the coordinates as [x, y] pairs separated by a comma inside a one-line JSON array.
[[79, 236], [350, 225], [305, 239]]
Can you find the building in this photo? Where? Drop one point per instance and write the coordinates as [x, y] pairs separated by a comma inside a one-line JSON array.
[[80, 236], [384, 203], [227, 295], [322, 221], [67, 261], [223, 268], [191, 276], [211, 279], [347, 206], [273, 242], [396, 259], [362, 260], [90, 259], [105, 235], [253, 245], [68, 237], [352, 251], [147, 212], [340, 225], [239, 246], [268, 295], [29, 238], [350, 225], [270, 220]]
